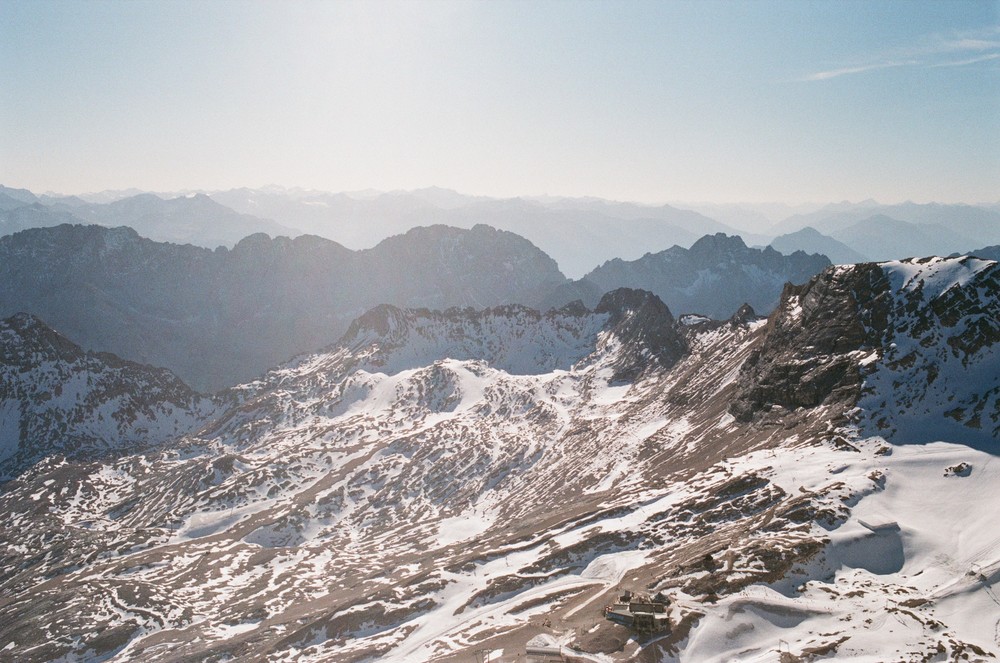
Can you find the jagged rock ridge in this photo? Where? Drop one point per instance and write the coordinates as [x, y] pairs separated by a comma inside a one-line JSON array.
[[714, 277], [915, 343]]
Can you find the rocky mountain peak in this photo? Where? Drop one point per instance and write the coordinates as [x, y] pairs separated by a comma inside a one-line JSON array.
[[804, 359], [625, 302], [745, 314], [646, 330], [55, 398], [26, 336], [252, 242], [714, 277], [385, 322], [719, 244]]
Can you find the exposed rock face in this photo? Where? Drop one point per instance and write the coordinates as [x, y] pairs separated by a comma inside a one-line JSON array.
[[714, 277], [644, 326], [805, 357], [914, 343], [219, 317], [57, 399], [744, 315]]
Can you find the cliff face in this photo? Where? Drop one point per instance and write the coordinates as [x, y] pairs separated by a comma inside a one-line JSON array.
[[914, 343], [645, 330], [809, 352]]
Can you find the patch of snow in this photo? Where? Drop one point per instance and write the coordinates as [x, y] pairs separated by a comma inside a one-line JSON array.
[[461, 528]]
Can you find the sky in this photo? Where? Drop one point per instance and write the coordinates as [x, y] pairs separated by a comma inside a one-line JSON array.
[[646, 101]]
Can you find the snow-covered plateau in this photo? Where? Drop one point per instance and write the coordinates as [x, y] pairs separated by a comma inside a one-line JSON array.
[[442, 486]]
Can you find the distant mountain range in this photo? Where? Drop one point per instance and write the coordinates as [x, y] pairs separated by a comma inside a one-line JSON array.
[[220, 317], [223, 316], [714, 277], [889, 232], [191, 219], [811, 240], [579, 233], [988, 252]]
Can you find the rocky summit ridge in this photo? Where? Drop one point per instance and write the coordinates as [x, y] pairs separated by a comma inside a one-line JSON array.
[[714, 277], [439, 483]]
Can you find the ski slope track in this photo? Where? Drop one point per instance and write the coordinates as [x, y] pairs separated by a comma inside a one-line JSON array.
[[819, 484]]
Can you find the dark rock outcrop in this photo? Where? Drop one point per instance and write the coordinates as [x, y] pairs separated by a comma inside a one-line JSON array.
[[644, 326], [803, 358], [744, 315]]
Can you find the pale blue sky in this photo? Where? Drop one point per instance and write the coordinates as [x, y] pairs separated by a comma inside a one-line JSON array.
[[648, 101]]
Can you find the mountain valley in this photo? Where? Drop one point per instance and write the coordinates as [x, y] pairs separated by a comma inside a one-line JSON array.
[[440, 483]]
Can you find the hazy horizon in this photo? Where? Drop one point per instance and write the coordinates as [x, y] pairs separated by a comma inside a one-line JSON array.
[[649, 102], [360, 194]]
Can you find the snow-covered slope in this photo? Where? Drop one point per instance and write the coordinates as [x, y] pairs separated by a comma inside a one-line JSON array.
[[57, 399], [938, 376], [439, 484]]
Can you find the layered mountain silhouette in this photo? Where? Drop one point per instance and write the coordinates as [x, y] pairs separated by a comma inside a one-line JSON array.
[[887, 232], [577, 233], [219, 317], [811, 240], [716, 276], [193, 219]]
